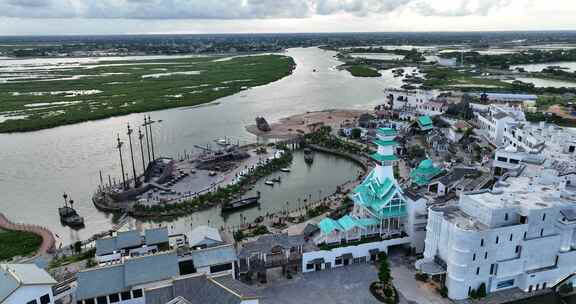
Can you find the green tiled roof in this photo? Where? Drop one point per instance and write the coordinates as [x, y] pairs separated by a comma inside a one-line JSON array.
[[328, 225], [368, 221], [380, 158], [387, 131], [348, 223], [424, 173], [385, 142], [425, 122]]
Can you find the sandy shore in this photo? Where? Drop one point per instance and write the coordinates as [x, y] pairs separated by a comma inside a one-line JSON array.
[[306, 122]]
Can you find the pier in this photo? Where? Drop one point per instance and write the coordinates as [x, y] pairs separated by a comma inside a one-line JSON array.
[[48, 241]]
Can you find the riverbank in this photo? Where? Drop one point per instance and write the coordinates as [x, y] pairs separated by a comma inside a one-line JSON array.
[[23, 239], [300, 124], [109, 89]]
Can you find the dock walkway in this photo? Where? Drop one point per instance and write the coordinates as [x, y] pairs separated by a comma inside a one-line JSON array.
[[48, 240]]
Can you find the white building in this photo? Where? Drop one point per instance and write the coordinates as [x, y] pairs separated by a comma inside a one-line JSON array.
[[131, 244], [25, 284], [125, 281], [521, 234], [412, 104], [492, 123]]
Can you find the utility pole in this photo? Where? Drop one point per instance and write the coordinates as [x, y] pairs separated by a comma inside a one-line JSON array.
[[145, 125], [119, 146], [140, 137], [129, 133]]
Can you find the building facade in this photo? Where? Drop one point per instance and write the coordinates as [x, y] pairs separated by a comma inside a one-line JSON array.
[[520, 234]]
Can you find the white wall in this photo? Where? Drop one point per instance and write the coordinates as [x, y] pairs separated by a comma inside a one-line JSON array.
[[357, 251], [25, 294]]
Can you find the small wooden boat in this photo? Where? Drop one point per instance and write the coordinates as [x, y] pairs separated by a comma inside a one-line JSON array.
[[68, 215], [240, 204], [285, 169], [269, 183]]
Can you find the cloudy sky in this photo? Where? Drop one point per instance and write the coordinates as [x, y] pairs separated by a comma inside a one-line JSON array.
[[50, 17]]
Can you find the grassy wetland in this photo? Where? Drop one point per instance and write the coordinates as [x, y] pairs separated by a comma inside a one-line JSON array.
[[39, 97]]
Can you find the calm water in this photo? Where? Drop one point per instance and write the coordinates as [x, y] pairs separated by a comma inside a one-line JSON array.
[[38, 167]]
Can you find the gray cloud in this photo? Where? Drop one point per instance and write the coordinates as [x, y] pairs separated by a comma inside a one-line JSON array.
[[231, 9], [465, 8]]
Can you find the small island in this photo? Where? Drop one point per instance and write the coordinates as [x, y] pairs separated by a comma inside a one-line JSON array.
[[361, 70]]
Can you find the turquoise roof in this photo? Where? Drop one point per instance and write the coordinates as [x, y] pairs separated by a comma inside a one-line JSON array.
[[368, 221], [425, 122], [328, 225], [377, 196], [385, 143], [348, 223], [424, 173], [380, 157], [387, 131]]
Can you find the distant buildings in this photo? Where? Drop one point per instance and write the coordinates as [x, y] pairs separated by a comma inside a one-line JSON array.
[[409, 105], [25, 284]]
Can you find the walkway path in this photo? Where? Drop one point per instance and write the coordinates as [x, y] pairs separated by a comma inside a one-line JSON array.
[[47, 236]]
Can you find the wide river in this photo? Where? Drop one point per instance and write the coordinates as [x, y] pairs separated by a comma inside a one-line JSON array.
[[37, 167]]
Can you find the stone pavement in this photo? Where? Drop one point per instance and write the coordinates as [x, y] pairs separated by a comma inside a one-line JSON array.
[[344, 285]]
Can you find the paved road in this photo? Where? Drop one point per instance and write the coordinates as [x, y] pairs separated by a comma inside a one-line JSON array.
[[343, 285]]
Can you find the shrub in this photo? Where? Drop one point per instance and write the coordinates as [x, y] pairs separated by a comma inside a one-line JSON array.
[[422, 277], [481, 291], [443, 291]]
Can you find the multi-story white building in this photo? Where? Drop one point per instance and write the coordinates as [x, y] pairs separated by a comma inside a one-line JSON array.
[[25, 284], [521, 234], [413, 104], [494, 122]]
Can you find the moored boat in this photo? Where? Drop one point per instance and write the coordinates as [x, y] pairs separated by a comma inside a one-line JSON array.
[[240, 204]]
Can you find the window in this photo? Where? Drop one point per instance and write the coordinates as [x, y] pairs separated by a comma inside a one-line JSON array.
[[474, 257], [544, 217], [309, 266], [477, 270], [137, 293], [45, 299], [125, 296], [32, 302], [524, 235], [482, 243], [101, 300], [542, 232], [507, 283], [517, 249], [89, 301], [497, 239], [506, 216], [492, 269], [503, 159], [486, 255], [523, 219], [544, 285], [219, 268], [114, 298], [511, 237], [338, 261], [514, 161]]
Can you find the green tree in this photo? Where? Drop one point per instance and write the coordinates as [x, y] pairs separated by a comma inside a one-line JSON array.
[[356, 133], [78, 247], [481, 291]]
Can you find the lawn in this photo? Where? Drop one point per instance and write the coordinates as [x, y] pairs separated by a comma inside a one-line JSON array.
[[17, 243], [54, 96], [360, 70]]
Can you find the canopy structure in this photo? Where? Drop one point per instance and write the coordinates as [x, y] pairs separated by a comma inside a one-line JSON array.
[[425, 123]]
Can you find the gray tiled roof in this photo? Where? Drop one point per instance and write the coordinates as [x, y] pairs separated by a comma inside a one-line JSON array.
[[178, 300], [265, 243], [204, 235], [128, 239], [113, 279], [156, 236], [213, 256], [8, 284], [106, 246]]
